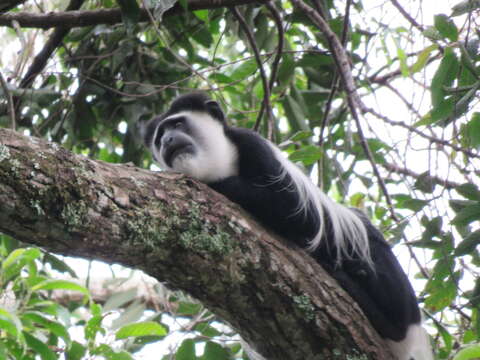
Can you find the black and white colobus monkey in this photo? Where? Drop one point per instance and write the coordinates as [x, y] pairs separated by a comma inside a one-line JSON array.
[[192, 137]]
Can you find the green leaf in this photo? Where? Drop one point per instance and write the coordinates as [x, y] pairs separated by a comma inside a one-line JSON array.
[[471, 352], [186, 351], [433, 227], [425, 183], [427, 244], [472, 130], [132, 314], [444, 76], [469, 244], [203, 37], [188, 309], [60, 285], [357, 200], [407, 202], [17, 260], [39, 347], [206, 330], [459, 205], [461, 105], [110, 354], [119, 299], [244, 70], [296, 116], [50, 325], [315, 60], [25, 254], [308, 155], [422, 58], [431, 33], [402, 57], [93, 326], [214, 351], [221, 78], [441, 295], [58, 264], [467, 215], [442, 111], [95, 309], [202, 15], [145, 328], [446, 336], [467, 60], [465, 6], [3, 351], [10, 324], [130, 13], [286, 71], [301, 135], [76, 351], [475, 296], [469, 191], [446, 27]]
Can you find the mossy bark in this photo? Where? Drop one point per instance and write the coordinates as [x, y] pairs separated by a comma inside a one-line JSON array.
[[186, 235]]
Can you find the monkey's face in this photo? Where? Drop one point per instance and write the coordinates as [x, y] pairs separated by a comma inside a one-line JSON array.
[[194, 143]]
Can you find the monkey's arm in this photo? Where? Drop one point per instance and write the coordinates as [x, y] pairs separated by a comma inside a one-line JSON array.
[[270, 206]]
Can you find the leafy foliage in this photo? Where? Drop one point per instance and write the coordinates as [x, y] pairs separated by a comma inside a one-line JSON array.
[[422, 125], [35, 320]]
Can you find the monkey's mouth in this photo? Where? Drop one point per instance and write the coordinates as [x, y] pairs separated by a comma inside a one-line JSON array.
[[174, 151]]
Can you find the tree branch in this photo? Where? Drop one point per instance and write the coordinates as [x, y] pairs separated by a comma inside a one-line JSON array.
[[339, 54], [53, 42], [71, 19], [183, 234], [447, 184]]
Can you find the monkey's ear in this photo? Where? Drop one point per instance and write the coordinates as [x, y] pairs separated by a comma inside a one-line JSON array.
[[141, 131], [146, 130], [215, 110]]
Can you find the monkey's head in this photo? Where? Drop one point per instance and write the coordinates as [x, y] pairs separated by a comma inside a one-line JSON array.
[[190, 138]]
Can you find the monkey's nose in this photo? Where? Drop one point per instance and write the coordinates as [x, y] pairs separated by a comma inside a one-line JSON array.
[[169, 139]]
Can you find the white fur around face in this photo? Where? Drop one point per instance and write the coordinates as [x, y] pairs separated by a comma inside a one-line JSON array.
[[215, 158]]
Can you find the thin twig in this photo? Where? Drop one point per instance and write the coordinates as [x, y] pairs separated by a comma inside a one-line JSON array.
[[338, 53], [368, 153], [447, 184], [407, 16], [333, 90], [51, 45], [428, 137], [263, 75], [174, 54], [274, 70], [354, 102], [11, 106], [279, 24]]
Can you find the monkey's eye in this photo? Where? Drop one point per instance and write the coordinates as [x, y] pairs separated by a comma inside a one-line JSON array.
[[178, 124]]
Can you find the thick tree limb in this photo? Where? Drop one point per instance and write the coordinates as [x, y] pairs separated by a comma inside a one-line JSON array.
[[183, 234], [71, 19]]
